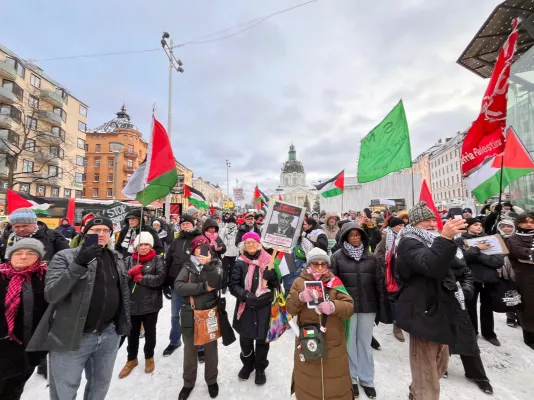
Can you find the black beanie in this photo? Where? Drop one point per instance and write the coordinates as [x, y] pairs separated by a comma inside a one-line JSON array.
[[187, 218], [395, 221], [98, 220], [471, 221], [231, 220]]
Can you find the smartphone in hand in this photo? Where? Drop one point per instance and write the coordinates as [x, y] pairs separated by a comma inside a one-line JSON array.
[[90, 239], [204, 250]]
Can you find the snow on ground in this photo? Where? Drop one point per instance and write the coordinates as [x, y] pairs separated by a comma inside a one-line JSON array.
[[509, 368]]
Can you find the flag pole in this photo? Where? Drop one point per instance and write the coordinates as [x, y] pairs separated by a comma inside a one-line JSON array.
[[413, 188]]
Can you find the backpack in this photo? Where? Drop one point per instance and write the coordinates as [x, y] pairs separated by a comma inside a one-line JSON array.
[[391, 284]]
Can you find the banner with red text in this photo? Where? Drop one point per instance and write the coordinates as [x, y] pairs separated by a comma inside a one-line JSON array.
[[282, 226]]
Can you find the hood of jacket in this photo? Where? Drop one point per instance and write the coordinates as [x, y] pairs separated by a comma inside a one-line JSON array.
[[346, 228], [505, 222], [327, 217], [210, 223], [189, 235]]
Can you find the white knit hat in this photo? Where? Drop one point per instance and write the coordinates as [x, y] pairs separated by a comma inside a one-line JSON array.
[[144, 238], [317, 254]]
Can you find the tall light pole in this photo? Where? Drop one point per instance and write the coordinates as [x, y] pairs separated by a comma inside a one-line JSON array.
[[228, 165], [115, 148], [176, 64]]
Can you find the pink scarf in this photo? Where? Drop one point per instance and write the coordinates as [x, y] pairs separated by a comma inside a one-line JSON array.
[[262, 262], [317, 275], [212, 238]]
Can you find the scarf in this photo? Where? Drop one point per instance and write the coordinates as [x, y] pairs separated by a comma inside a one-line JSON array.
[[14, 288], [524, 232], [391, 235], [212, 238], [354, 251], [14, 238], [196, 263], [146, 258], [263, 260], [129, 239], [317, 275]]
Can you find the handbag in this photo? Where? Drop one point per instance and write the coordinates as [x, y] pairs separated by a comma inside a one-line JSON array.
[[504, 296], [227, 332], [312, 344], [279, 321], [206, 324]]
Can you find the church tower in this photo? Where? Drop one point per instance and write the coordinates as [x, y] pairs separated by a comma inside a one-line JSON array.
[[293, 178]]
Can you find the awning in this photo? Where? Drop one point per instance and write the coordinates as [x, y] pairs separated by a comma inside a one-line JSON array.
[[154, 204]]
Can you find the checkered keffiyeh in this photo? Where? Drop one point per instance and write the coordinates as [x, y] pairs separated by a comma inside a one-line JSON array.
[[14, 288]]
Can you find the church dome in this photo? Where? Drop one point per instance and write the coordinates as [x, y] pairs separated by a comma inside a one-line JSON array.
[[292, 164], [121, 121]]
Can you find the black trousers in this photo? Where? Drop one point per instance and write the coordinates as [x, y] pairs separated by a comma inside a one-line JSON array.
[[254, 358], [486, 312], [228, 266], [149, 322], [12, 388], [473, 367]]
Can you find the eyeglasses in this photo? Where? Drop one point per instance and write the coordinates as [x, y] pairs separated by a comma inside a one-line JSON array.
[[250, 242], [99, 231], [317, 265]]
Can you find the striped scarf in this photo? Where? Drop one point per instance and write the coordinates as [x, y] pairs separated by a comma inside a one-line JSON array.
[[14, 288]]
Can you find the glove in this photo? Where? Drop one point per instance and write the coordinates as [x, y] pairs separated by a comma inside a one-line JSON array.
[[498, 208], [269, 275], [251, 300], [167, 292], [135, 270], [326, 307], [88, 254], [308, 295], [137, 278]]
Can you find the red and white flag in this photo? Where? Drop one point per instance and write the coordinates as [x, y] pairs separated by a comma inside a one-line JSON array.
[[485, 137]]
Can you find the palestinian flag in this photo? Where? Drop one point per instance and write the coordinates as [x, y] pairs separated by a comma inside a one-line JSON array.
[[515, 161], [260, 199], [284, 264], [308, 333], [24, 200], [333, 187], [336, 284], [194, 197], [157, 175]]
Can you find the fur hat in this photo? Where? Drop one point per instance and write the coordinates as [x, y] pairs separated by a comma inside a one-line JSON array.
[[28, 244], [22, 216], [419, 213], [144, 238], [98, 220], [317, 254]]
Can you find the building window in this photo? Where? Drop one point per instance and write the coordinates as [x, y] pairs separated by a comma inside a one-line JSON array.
[[13, 112], [78, 194], [81, 126], [97, 177], [55, 192], [31, 123], [21, 71], [66, 193], [78, 176], [84, 177], [24, 187], [110, 177], [95, 192], [30, 145], [97, 162], [98, 148], [14, 88], [80, 161], [27, 166], [130, 148], [129, 163], [109, 192], [83, 110], [54, 171], [80, 143], [110, 162], [61, 112], [41, 190], [35, 81], [56, 151], [33, 101]]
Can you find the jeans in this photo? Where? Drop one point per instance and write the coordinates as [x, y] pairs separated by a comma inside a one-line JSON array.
[[361, 362], [176, 331], [12, 388], [149, 322], [96, 355], [486, 311]]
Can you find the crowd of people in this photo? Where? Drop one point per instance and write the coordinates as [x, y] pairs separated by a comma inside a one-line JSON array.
[[75, 297]]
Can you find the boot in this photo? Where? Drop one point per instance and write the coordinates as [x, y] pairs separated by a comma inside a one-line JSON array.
[[485, 386], [528, 338], [355, 391], [248, 366], [397, 332], [171, 348], [184, 393], [369, 392], [260, 379], [149, 366], [42, 369], [130, 365], [375, 344], [213, 390]]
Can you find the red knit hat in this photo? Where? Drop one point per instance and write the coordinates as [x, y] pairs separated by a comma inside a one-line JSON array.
[[199, 241], [87, 218]]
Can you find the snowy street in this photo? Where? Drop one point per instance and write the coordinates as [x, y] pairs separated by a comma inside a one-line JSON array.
[[509, 368]]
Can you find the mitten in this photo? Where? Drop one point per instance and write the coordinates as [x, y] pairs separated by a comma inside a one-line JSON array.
[[251, 300], [327, 307], [135, 270], [308, 295], [269, 275]]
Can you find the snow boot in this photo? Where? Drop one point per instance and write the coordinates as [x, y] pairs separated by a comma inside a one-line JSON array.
[[355, 391], [213, 390], [528, 338], [374, 344], [184, 393], [127, 369], [171, 348], [369, 392], [248, 366], [397, 332], [485, 386], [261, 378], [149, 366]]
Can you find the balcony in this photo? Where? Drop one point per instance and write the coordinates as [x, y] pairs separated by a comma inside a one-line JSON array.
[[48, 158], [52, 97], [4, 171], [44, 177], [6, 121], [128, 169], [131, 154], [7, 96], [50, 137], [49, 117], [7, 71]]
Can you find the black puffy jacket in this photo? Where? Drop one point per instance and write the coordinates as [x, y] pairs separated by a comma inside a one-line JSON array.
[[146, 296], [178, 253], [483, 267], [364, 279]]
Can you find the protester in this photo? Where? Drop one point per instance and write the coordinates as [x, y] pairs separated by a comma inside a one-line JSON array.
[[147, 273], [426, 305], [78, 239], [371, 230], [253, 307], [361, 273], [22, 305], [228, 236], [506, 229], [163, 233], [521, 247], [327, 378], [331, 228], [198, 282], [177, 255], [211, 231], [193, 212], [132, 228], [84, 334], [313, 235], [66, 229], [250, 225], [484, 269]]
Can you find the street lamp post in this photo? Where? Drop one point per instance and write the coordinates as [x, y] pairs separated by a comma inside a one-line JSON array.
[[228, 165], [115, 148], [176, 64]]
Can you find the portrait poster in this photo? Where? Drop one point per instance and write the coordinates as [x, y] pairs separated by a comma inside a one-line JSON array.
[[495, 241], [282, 226], [318, 286]]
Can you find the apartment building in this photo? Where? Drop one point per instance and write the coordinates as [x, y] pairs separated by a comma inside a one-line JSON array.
[[114, 151], [213, 193], [185, 177], [42, 131]]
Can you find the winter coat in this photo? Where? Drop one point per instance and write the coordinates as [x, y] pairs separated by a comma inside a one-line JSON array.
[[178, 253], [253, 323], [331, 231], [211, 223], [68, 231], [68, 289], [14, 360], [380, 250], [332, 372], [317, 236], [228, 236], [146, 296], [483, 267], [158, 246], [425, 308], [521, 249], [191, 282], [244, 229], [364, 279], [374, 234]]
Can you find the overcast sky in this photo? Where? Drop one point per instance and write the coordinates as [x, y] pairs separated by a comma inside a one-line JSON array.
[[320, 76]]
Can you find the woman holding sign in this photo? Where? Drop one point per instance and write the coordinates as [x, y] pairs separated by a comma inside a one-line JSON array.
[[253, 307]]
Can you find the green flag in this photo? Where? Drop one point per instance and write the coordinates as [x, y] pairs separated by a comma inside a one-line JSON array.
[[386, 148]]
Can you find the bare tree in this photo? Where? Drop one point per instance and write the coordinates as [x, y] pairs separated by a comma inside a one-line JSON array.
[[36, 140]]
